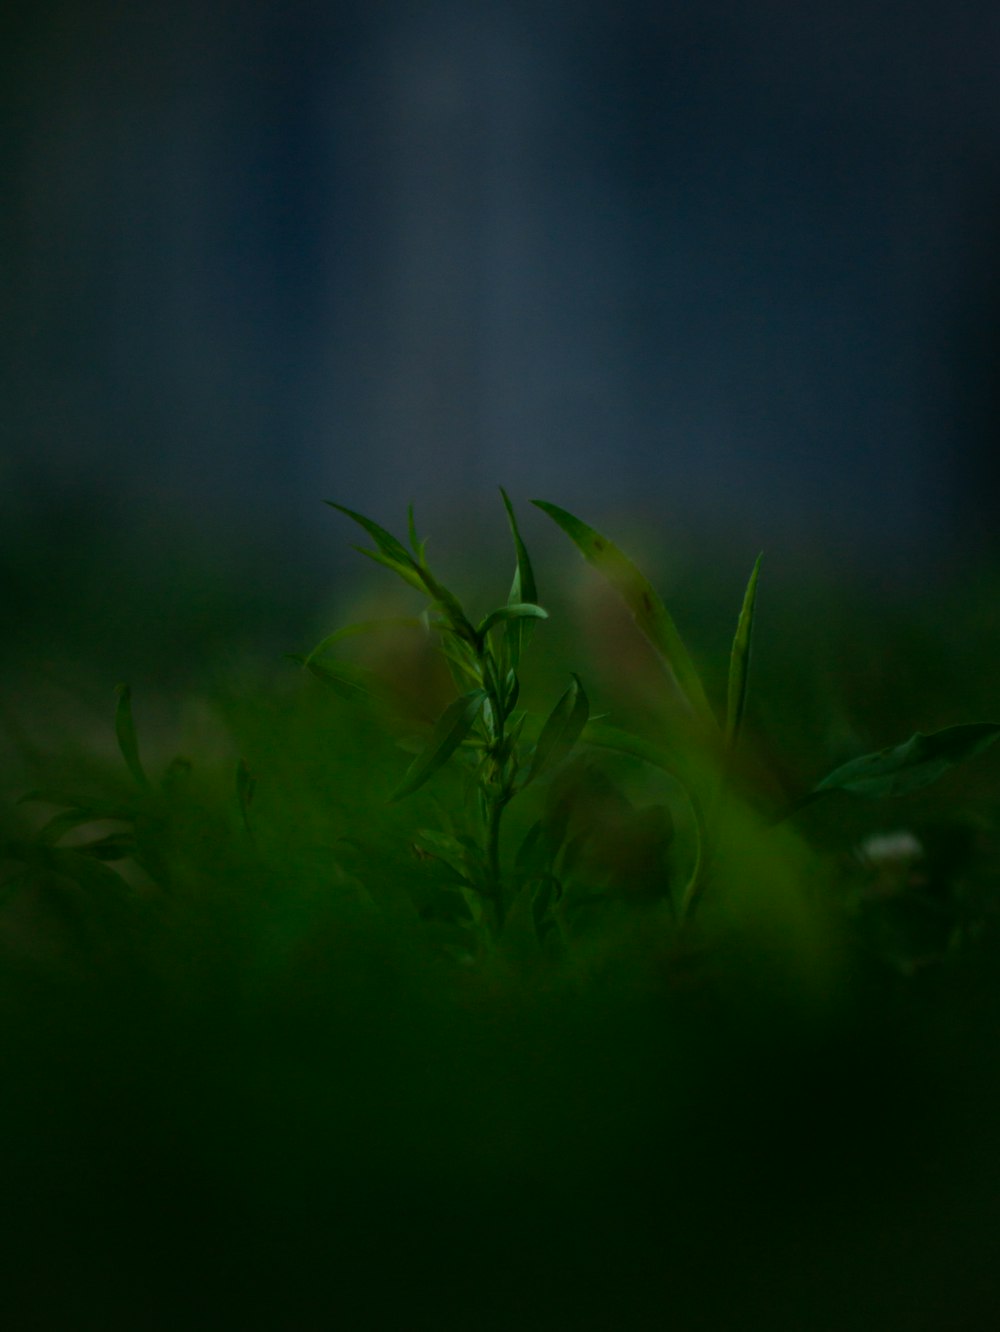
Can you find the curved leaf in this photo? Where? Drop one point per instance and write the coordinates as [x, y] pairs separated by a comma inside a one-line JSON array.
[[347, 681], [739, 661], [125, 731], [561, 731], [649, 612], [449, 731], [515, 610], [907, 767]]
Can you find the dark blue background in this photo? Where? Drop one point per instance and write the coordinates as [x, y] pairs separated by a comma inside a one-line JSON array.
[[726, 272]]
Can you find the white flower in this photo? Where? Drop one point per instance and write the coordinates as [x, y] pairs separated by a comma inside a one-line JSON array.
[[890, 850]]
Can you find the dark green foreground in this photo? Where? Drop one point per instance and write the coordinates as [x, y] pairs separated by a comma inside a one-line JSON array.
[[260, 1091]]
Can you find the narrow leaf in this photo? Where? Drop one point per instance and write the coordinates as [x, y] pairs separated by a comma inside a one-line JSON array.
[[408, 575], [246, 784], [386, 542], [522, 589], [364, 627], [907, 767], [739, 661], [561, 731], [517, 610], [347, 681], [648, 610], [449, 731], [125, 731]]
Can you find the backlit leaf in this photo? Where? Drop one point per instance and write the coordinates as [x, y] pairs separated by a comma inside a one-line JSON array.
[[648, 610]]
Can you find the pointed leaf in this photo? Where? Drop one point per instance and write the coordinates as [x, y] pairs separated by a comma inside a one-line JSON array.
[[516, 610], [449, 731], [391, 548], [522, 589], [648, 610], [97, 809], [739, 661], [347, 681], [907, 767], [561, 730], [408, 575], [125, 731]]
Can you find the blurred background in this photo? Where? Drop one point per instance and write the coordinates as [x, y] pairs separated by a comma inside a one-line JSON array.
[[717, 276]]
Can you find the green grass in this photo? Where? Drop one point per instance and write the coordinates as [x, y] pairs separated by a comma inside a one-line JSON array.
[[455, 980]]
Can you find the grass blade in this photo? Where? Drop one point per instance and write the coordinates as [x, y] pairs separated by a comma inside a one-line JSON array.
[[739, 661], [125, 731], [649, 612], [904, 768], [450, 730], [561, 731]]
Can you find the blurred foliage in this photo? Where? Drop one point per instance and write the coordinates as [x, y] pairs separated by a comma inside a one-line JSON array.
[[252, 1079]]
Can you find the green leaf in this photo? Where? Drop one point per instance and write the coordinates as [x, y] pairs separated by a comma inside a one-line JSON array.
[[125, 731], [114, 846], [449, 731], [624, 742], [246, 784], [392, 549], [363, 627], [408, 575], [522, 589], [87, 871], [739, 661], [347, 681], [515, 610], [648, 610], [907, 767], [97, 809], [561, 731], [60, 824]]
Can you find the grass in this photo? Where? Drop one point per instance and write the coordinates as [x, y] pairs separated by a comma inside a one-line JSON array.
[[447, 983]]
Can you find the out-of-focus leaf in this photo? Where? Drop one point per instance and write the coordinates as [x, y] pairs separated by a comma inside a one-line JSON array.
[[449, 731], [246, 784], [739, 661], [648, 610], [345, 680], [561, 730], [98, 809], [364, 627], [125, 731], [903, 768]]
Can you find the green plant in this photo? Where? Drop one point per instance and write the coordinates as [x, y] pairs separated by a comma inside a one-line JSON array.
[[483, 725]]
